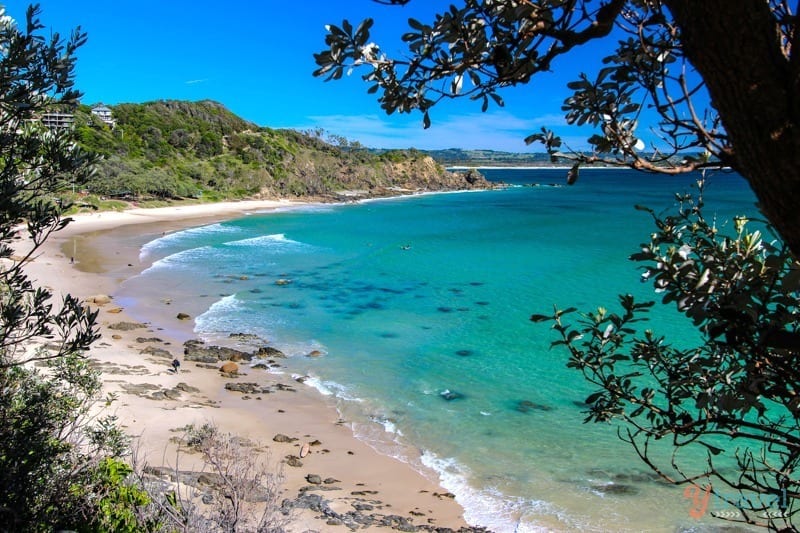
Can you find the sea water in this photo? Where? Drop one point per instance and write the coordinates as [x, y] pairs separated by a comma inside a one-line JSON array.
[[420, 306]]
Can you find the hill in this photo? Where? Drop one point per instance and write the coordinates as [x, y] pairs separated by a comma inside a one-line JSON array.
[[177, 149]]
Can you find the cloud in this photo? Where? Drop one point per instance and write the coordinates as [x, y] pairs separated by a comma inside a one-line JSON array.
[[497, 130], [194, 82]]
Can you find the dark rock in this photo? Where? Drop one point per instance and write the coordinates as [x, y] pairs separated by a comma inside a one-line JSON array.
[[464, 353], [314, 479], [268, 351], [148, 339], [526, 406], [194, 350], [618, 489], [249, 388], [127, 326], [451, 395], [183, 316], [156, 352], [280, 437]]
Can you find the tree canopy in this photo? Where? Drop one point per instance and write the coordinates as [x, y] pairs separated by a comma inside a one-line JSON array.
[[722, 78]]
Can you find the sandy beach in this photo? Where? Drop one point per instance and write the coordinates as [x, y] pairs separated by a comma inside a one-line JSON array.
[[95, 253]]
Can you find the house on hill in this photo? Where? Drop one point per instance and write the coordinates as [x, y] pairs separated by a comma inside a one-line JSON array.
[[104, 113]]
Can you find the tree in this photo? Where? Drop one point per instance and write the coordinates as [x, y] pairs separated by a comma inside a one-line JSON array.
[[722, 80], [52, 445], [671, 54]]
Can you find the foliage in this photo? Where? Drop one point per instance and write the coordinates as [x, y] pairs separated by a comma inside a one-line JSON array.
[[717, 92], [736, 394], [51, 440], [240, 492], [671, 60], [168, 150]]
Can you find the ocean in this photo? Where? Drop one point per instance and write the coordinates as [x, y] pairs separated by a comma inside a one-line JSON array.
[[420, 306]]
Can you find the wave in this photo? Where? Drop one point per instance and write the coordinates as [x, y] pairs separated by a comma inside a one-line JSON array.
[[491, 508], [192, 256], [275, 243], [221, 317], [176, 239]]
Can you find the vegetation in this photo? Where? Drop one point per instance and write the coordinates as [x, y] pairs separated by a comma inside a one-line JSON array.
[[713, 86], [173, 149], [54, 450]]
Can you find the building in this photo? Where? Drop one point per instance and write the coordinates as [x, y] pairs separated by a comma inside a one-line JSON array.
[[56, 121], [104, 113]]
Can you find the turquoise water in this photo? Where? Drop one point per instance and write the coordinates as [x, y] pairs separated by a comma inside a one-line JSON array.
[[420, 306]]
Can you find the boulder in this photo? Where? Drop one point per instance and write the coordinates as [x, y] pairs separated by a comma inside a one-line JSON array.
[[194, 350], [183, 316], [98, 299], [127, 326], [229, 368], [280, 437]]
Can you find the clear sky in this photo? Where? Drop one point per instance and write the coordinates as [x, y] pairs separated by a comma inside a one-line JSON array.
[[256, 58]]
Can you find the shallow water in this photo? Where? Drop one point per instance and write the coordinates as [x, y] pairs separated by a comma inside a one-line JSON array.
[[420, 306]]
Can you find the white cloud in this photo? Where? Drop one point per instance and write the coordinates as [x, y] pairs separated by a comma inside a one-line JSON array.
[[194, 82]]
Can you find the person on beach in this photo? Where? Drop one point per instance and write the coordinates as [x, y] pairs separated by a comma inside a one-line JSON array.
[[176, 365]]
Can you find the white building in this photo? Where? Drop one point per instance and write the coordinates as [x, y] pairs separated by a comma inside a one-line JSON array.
[[58, 120], [104, 113]]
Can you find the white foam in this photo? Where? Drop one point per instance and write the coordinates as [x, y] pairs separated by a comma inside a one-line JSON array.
[[488, 507], [221, 317], [174, 239], [274, 242], [186, 257]]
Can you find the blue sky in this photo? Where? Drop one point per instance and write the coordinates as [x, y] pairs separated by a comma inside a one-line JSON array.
[[255, 57]]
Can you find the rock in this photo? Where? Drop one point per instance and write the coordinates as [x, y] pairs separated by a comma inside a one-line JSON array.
[[526, 406], [449, 395], [331, 480], [183, 316], [244, 337], [156, 352], [148, 339], [260, 366], [229, 368], [314, 479], [246, 388], [268, 351], [314, 353], [116, 336], [280, 437], [98, 299], [186, 388], [283, 281], [127, 326], [115, 310], [195, 350], [294, 461]]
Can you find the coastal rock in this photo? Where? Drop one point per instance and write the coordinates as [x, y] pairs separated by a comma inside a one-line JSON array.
[[268, 351], [229, 368], [246, 388], [195, 350], [314, 353], [156, 352], [280, 437], [115, 310], [98, 299], [148, 339], [526, 406], [183, 316], [314, 479], [451, 395], [127, 326]]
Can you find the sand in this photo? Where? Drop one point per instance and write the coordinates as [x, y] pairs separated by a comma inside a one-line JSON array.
[[97, 252]]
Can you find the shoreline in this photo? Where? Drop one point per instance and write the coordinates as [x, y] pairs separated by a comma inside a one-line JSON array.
[[153, 406]]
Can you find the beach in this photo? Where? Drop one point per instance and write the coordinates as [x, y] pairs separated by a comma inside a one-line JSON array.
[[97, 252]]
